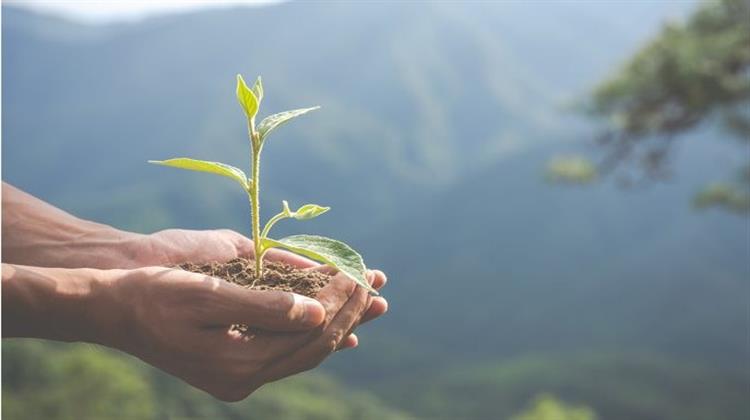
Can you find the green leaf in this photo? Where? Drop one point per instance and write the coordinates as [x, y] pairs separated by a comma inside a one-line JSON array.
[[329, 251], [247, 98], [306, 212], [258, 90], [206, 166], [309, 211], [272, 121]]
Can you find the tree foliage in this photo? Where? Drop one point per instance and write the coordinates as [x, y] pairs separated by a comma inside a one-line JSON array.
[[572, 169], [723, 195], [689, 73], [71, 383], [56, 381]]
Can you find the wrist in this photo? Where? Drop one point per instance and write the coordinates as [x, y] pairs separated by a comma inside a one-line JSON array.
[[105, 247], [59, 304], [84, 245], [104, 315]]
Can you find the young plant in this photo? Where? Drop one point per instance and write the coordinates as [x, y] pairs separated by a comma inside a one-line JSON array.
[[328, 251]]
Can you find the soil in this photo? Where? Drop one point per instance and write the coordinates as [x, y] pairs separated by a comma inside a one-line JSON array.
[[276, 275]]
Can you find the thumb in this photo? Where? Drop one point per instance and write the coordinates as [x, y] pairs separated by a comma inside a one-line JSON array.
[[268, 309]]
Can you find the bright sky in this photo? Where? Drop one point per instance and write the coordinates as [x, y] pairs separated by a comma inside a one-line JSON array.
[[105, 11]]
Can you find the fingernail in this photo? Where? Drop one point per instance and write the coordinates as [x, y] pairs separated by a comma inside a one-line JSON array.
[[385, 278], [384, 303], [355, 344], [382, 274], [372, 274], [350, 342]]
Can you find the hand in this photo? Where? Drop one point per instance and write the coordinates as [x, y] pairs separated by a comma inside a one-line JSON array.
[[38, 234], [180, 322], [377, 305], [176, 320], [175, 246], [338, 333]]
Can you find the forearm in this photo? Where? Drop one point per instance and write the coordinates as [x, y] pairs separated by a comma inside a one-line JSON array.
[[59, 304], [38, 234]]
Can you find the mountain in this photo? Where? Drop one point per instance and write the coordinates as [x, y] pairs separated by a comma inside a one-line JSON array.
[[412, 99], [531, 266]]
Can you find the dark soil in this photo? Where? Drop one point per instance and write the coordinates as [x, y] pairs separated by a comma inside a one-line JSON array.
[[276, 275]]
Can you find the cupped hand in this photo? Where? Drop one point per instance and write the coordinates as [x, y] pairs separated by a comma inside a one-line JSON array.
[[340, 321], [181, 322], [175, 246]]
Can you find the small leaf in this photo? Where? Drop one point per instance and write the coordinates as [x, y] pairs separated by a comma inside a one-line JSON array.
[[309, 211], [206, 166], [272, 121], [329, 251], [258, 90], [246, 98]]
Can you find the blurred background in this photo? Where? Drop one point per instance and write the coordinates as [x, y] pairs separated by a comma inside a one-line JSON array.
[[558, 191]]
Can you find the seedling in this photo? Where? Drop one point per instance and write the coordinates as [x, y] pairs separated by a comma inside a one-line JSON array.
[[328, 251]]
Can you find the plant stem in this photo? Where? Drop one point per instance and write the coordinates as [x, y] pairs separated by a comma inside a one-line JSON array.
[[270, 224], [255, 204]]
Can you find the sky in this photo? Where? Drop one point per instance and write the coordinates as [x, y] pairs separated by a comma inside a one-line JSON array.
[[107, 11]]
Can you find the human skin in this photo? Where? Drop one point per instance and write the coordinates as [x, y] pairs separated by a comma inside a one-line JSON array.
[[73, 280]]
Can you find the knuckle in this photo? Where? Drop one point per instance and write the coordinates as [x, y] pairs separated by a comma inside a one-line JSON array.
[[331, 346], [336, 336], [230, 235], [237, 239], [331, 342], [362, 298]]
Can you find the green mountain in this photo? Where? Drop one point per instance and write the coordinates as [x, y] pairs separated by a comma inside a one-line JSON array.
[[590, 278], [412, 99], [516, 256]]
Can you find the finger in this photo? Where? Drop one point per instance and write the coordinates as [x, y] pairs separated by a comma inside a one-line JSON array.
[[242, 244], [380, 279], [287, 257], [312, 354], [338, 329], [351, 341], [245, 249], [334, 295], [268, 309], [378, 307]]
